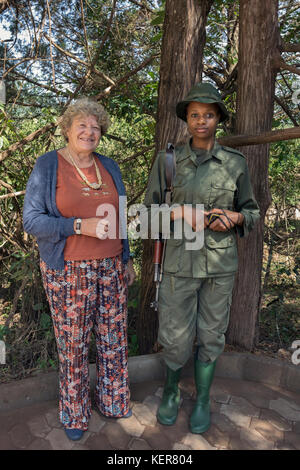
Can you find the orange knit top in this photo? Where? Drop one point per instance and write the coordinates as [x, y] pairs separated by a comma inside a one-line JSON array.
[[75, 199]]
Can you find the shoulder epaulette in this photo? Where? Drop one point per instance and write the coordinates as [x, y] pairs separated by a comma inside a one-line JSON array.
[[230, 149]]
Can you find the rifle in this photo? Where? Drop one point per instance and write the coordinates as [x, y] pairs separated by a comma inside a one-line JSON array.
[[160, 243]]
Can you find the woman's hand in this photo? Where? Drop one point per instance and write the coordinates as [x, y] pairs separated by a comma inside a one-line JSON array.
[[223, 223], [94, 227], [130, 272]]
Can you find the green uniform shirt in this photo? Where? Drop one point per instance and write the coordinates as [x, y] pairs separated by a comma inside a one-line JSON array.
[[218, 179]]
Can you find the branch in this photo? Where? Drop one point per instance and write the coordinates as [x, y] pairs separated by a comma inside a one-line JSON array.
[[260, 139], [6, 185], [103, 40], [290, 235], [286, 110], [18, 193], [4, 4], [16, 65], [117, 138], [290, 68], [287, 83], [51, 54], [137, 154], [96, 56], [231, 77], [15, 302], [279, 63], [132, 201], [76, 91], [289, 9], [86, 64], [125, 78], [141, 5], [25, 140], [41, 85], [28, 104], [84, 30], [137, 69], [288, 47], [210, 72]]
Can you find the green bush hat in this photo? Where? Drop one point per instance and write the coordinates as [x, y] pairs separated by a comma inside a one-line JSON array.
[[202, 93]]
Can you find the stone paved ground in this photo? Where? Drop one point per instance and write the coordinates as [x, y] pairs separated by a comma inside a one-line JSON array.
[[245, 415]]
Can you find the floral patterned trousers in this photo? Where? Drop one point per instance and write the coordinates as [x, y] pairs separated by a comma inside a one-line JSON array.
[[89, 295]]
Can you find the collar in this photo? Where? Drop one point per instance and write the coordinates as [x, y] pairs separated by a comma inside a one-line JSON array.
[[186, 152], [218, 151]]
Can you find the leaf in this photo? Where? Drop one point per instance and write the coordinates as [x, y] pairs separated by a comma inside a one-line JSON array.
[[138, 119], [45, 321], [159, 18], [157, 37], [3, 331], [134, 339], [133, 303], [37, 307]]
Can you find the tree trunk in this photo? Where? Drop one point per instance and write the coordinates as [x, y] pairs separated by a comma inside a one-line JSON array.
[[181, 67], [258, 46]]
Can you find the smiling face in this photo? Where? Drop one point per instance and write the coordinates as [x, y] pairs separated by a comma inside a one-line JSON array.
[[84, 134], [202, 121]]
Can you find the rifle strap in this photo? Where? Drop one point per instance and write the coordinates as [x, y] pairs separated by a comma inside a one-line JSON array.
[[170, 172]]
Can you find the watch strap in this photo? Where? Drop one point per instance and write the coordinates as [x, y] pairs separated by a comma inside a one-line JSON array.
[[78, 226]]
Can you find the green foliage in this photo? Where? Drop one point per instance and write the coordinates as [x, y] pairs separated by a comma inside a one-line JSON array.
[[133, 347], [158, 18], [4, 331], [284, 172]]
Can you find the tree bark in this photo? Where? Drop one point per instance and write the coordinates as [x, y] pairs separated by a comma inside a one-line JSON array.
[[181, 67], [181, 64], [258, 46]]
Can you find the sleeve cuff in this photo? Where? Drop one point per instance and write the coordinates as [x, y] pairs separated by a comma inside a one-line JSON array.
[[243, 230], [68, 227]]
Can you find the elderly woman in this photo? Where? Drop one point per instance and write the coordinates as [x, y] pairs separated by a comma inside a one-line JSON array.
[[196, 288], [85, 265]]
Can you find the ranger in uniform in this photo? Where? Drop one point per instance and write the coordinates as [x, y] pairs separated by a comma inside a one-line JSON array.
[[196, 289]]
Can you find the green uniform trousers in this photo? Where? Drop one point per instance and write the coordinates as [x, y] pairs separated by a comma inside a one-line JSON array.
[[189, 308]]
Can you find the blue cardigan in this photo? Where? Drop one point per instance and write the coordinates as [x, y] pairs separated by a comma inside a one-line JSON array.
[[42, 219]]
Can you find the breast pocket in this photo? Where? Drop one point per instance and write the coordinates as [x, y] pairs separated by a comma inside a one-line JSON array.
[[222, 194]]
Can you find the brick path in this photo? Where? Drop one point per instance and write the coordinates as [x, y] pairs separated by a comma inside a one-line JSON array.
[[245, 415]]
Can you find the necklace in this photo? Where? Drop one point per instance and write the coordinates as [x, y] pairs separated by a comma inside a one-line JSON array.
[[91, 185]]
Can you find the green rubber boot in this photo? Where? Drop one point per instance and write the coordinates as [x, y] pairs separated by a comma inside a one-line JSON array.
[[200, 418], [168, 409]]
